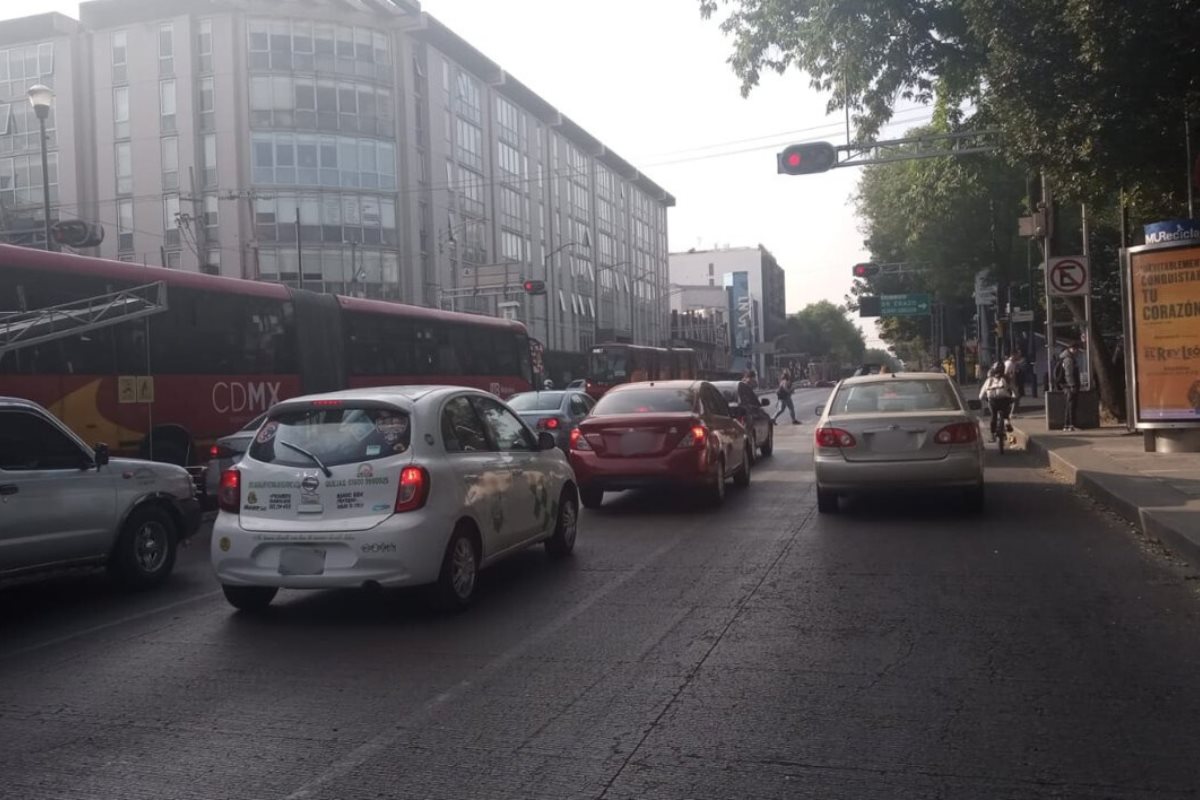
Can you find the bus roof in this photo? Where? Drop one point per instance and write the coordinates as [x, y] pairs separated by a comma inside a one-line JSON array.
[[12, 256]]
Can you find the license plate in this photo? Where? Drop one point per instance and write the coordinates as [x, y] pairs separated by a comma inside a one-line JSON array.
[[633, 444], [302, 561]]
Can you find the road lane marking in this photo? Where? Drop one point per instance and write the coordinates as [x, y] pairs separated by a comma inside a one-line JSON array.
[[33, 648], [386, 739]]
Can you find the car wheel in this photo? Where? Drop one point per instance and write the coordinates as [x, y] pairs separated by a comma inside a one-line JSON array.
[[716, 492], [460, 572], [973, 500], [827, 502], [591, 498], [250, 598], [769, 447], [562, 542], [146, 549], [741, 478]]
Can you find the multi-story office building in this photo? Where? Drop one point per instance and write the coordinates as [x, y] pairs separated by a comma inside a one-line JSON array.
[[756, 290], [356, 146]]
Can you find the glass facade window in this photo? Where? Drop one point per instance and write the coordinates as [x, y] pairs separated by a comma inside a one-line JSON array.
[[21, 181], [468, 147], [204, 45], [467, 95], [123, 158], [119, 44], [285, 159], [325, 104], [166, 50], [208, 105], [171, 220], [170, 163], [212, 213], [208, 161], [124, 225], [20, 69], [327, 218], [121, 112], [167, 108], [301, 46]]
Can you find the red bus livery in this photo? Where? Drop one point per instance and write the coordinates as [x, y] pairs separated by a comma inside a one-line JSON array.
[[613, 364], [216, 352]]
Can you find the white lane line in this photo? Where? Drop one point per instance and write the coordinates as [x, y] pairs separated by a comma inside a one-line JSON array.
[[33, 648], [386, 739]]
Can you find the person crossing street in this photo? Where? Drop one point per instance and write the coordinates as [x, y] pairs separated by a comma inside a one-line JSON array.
[[784, 393]]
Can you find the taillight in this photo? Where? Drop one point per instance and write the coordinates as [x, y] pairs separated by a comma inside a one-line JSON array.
[[958, 433], [229, 495], [696, 437], [217, 452], [414, 489], [548, 423], [834, 437], [578, 441]]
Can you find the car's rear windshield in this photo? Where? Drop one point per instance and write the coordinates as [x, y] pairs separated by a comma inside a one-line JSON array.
[[333, 435], [895, 396], [536, 401], [645, 401]]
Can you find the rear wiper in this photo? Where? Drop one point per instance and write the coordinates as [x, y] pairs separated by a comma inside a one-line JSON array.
[[304, 452]]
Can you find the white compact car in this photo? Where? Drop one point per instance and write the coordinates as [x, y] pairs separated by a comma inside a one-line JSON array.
[[396, 486]]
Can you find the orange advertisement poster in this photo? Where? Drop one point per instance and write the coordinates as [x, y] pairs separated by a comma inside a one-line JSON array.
[[1165, 305]]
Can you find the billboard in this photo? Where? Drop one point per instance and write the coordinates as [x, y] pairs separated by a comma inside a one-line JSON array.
[[1164, 321], [741, 311]]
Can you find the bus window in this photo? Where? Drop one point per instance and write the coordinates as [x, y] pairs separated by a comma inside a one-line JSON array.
[[610, 367]]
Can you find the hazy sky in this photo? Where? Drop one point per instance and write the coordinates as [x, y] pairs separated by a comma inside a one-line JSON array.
[[649, 79]]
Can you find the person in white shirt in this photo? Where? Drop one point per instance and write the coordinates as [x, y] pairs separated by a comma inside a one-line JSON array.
[[999, 393]]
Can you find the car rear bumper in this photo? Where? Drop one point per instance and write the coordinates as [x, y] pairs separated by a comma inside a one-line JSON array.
[[399, 552], [963, 468], [678, 468]]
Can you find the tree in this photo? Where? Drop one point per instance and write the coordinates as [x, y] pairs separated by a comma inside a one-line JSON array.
[[1095, 92], [824, 332]]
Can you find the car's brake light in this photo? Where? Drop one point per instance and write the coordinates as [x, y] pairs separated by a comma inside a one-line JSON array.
[[696, 437], [229, 495], [958, 433], [579, 441], [414, 489], [548, 423], [327, 403], [834, 437], [217, 451]]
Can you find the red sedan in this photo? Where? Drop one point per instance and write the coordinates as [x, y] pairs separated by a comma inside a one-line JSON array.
[[666, 433]]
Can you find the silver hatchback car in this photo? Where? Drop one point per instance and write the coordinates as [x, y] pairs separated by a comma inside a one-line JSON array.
[[898, 431]]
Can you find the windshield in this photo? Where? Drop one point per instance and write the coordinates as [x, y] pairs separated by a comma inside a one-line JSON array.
[[609, 367], [897, 396], [536, 401], [646, 401], [333, 436]]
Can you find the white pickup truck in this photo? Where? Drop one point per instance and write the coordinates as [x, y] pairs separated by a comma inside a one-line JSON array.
[[64, 504]]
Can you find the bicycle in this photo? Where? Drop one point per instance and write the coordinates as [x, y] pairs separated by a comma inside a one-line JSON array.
[[1000, 425]]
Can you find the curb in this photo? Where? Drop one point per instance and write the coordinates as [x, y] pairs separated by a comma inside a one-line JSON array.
[[1155, 523]]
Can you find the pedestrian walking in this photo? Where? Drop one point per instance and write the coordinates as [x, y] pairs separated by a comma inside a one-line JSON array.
[[784, 393], [750, 378], [1012, 371], [1068, 380]]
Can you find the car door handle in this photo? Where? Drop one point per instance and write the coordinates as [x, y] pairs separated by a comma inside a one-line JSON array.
[[9, 488]]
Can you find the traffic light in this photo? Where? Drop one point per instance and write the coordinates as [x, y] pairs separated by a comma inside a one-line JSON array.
[[866, 270], [77, 234], [535, 287], [805, 159]]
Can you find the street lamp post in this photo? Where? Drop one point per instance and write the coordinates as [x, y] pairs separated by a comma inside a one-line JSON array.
[[42, 98]]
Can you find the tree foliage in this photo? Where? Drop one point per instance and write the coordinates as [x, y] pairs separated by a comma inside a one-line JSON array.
[[823, 331], [1092, 91]]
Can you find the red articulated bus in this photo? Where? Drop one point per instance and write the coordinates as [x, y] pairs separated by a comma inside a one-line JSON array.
[[162, 371], [613, 364]]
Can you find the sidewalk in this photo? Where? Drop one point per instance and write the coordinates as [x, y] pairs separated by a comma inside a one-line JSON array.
[[1158, 492]]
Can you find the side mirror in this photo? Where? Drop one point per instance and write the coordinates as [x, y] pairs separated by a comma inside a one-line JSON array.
[[546, 441], [974, 405], [100, 452], [765, 402], [819, 411]]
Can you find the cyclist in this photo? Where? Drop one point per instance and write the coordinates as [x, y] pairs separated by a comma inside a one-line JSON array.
[[999, 392]]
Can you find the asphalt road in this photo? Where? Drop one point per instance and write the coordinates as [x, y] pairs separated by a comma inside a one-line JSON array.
[[898, 650]]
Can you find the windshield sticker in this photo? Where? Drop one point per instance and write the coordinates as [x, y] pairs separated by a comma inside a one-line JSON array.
[[279, 502], [267, 433], [382, 507], [347, 501], [373, 449], [366, 471], [399, 447], [252, 498]]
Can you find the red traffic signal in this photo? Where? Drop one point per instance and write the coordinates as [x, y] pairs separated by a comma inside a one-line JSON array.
[[535, 287], [866, 270], [805, 159]]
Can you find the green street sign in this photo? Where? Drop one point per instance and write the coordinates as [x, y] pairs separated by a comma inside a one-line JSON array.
[[904, 305]]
